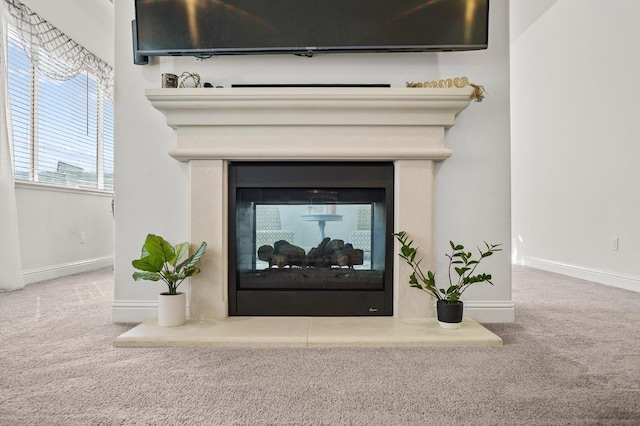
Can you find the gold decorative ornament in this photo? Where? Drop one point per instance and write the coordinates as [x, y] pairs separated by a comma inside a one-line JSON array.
[[459, 82], [478, 92]]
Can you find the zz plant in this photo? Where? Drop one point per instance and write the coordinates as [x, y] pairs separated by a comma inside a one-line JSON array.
[[462, 267], [162, 261]]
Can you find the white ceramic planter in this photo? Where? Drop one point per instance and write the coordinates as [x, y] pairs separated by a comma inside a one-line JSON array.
[[172, 309]]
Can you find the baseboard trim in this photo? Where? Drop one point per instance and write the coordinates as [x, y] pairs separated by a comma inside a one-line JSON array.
[[62, 270], [613, 279], [135, 311], [495, 311]]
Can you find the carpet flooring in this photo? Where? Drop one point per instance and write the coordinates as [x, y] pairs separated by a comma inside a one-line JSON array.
[[571, 358]]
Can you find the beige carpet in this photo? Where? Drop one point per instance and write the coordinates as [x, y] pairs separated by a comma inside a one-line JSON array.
[[571, 358]]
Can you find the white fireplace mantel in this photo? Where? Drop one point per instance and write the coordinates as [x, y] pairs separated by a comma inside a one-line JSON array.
[[215, 126], [310, 123]]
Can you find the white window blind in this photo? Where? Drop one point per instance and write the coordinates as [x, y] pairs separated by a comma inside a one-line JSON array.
[[62, 129]]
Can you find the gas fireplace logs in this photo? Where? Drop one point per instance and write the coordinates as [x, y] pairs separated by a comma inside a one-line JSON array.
[[328, 253]]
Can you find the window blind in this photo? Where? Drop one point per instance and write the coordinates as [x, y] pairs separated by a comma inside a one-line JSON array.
[[62, 129]]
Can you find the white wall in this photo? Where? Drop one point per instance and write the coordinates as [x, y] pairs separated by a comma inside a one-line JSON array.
[[89, 22], [51, 220], [63, 231], [575, 139], [473, 189]]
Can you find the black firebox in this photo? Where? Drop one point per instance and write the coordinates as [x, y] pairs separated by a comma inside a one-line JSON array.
[[310, 239]]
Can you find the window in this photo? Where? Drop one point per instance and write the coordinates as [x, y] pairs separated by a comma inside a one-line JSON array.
[[62, 129]]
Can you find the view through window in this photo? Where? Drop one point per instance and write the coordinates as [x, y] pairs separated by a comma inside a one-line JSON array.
[[62, 129]]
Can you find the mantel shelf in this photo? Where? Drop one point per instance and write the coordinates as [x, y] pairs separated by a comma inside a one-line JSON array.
[[310, 93]]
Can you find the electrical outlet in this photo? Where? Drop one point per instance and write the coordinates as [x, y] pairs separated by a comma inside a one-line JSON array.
[[83, 237], [614, 243]]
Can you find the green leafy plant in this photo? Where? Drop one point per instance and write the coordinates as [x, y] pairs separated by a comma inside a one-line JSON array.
[[162, 261], [462, 267]]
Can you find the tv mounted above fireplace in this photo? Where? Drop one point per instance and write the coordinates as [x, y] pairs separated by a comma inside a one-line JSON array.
[[305, 27]]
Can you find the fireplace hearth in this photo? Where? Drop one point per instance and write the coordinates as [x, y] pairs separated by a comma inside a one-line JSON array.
[[310, 238]]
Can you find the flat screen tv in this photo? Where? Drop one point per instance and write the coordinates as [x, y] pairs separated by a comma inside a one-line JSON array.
[[305, 27]]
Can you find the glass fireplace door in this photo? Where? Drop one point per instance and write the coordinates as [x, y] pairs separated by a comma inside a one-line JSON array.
[[310, 239]]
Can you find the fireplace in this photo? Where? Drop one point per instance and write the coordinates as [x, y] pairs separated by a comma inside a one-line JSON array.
[[310, 238], [217, 128]]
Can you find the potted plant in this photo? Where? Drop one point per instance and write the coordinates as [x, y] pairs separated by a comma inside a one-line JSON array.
[[462, 274], [162, 261]]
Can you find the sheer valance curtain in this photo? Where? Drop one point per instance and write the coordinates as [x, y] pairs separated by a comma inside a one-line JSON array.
[[65, 60], [10, 261]]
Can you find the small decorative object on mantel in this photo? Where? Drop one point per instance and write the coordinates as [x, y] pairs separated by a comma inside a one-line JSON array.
[[459, 82], [169, 81], [449, 306], [189, 79], [162, 261]]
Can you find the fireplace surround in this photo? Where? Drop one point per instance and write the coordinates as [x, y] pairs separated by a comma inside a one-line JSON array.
[[214, 127]]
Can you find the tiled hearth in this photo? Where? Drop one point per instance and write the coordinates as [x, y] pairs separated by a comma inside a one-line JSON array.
[[309, 332], [215, 126]]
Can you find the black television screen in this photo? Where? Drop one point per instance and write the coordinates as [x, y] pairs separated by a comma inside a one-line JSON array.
[[214, 27]]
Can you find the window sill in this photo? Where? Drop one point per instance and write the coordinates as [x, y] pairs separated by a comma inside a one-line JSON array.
[[37, 186]]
